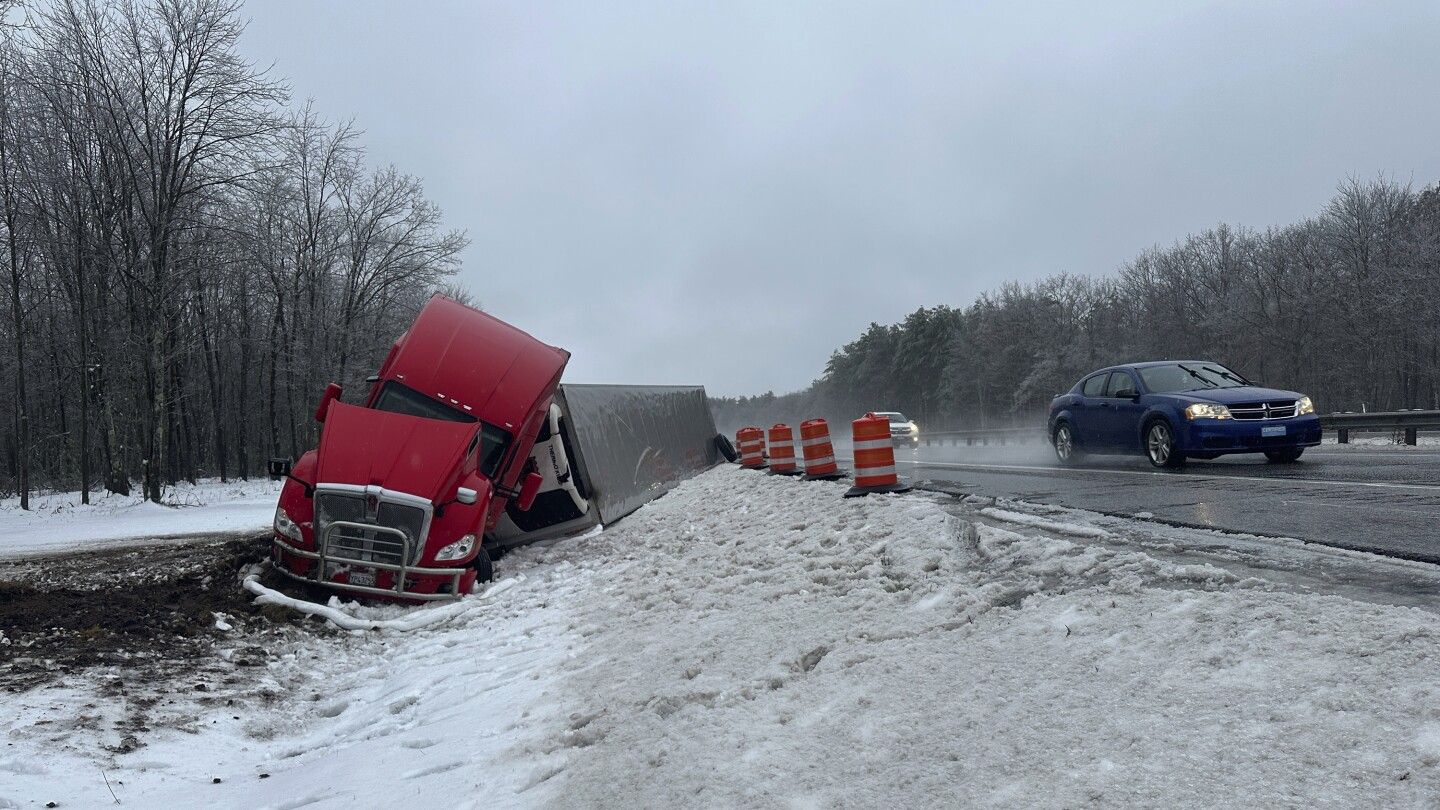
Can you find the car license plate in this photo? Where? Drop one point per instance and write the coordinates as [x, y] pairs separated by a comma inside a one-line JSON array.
[[1272, 430], [365, 578]]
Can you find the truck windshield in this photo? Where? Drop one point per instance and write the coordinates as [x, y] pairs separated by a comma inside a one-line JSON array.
[[398, 398]]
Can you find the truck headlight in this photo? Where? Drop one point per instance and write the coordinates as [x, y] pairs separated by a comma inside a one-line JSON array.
[[914, 428], [457, 550], [1207, 410], [285, 526], [1304, 406]]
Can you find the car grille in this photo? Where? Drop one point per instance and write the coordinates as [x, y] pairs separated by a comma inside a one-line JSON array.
[[1283, 409], [381, 545]]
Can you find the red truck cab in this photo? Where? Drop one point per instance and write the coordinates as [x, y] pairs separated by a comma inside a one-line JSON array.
[[396, 500]]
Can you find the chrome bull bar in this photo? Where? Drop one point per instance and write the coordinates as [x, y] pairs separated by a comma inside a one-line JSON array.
[[402, 569]]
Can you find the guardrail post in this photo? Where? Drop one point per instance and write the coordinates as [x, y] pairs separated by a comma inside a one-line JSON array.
[[1344, 437], [1410, 437]]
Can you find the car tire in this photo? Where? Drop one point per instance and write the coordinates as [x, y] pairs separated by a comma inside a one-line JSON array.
[[1160, 445], [1289, 455], [1063, 440], [727, 450]]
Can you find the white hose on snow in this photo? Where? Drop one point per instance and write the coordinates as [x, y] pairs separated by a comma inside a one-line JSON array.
[[415, 621]]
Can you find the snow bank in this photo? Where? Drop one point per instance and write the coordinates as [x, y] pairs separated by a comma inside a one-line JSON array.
[[753, 641], [764, 643], [59, 522]]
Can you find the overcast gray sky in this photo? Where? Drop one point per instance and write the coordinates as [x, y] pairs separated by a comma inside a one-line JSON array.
[[722, 193]]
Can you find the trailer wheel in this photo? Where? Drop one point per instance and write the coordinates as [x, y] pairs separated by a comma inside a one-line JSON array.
[[722, 443]]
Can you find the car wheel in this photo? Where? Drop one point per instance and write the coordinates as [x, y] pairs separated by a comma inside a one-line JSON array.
[[1160, 445], [1286, 456], [1064, 441]]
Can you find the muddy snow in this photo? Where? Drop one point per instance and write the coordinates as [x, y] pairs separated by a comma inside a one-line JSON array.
[[756, 641]]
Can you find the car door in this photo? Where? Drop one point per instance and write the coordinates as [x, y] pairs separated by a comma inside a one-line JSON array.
[[1121, 414], [1087, 412]]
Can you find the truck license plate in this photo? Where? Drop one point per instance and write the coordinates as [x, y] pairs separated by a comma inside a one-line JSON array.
[[365, 578], [1272, 430]]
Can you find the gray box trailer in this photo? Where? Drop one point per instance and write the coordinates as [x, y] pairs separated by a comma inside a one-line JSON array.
[[607, 450]]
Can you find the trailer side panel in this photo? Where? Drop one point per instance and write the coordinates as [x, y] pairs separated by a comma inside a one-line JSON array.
[[633, 443]]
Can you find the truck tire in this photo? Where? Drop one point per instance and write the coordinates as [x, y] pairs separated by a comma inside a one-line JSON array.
[[484, 569], [722, 443]]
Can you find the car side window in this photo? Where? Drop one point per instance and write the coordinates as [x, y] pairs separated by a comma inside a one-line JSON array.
[[1095, 386], [1119, 381]]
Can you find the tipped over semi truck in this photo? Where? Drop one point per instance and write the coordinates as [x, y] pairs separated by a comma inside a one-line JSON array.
[[467, 444]]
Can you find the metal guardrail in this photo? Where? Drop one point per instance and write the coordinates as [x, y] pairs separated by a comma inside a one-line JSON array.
[[1411, 422], [1342, 424]]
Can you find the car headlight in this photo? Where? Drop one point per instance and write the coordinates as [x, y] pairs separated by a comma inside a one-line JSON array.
[[1207, 410], [914, 428], [457, 550], [285, 526], [1304, 406]]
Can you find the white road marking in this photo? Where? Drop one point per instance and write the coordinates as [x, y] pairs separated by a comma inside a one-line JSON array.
[[1179, 477]]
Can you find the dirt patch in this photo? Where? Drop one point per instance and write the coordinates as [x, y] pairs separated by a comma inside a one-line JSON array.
[[65, 614], [143, 625]]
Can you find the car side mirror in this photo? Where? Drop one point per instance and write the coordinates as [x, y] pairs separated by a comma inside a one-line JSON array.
[[1127, 393], [332, 393], [529, 488]]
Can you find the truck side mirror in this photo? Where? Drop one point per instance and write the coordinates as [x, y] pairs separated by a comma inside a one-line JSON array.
[[466, 495], [529, 488], [332, 393]]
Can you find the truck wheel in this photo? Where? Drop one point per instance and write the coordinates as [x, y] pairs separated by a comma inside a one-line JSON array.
[[484, 569], [722, 443]]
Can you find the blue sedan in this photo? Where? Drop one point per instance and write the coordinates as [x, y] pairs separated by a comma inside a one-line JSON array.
[[1174, 410]]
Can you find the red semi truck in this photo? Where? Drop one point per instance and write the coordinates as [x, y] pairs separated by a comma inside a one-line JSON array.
[[396, 499], [406, 495]]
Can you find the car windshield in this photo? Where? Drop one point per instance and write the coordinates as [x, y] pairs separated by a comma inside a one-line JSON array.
[[895, 418], [1172, 377], [397, 398]]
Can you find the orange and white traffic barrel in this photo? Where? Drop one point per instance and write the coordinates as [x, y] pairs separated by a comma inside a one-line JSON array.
[[782, 451], [818, 452], [751, 442], [874, 458]]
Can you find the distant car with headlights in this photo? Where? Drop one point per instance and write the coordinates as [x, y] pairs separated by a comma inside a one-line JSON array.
[[902, 429], [1174, 410]]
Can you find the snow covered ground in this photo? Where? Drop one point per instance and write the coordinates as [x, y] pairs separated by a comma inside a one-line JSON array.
[[60, 522], [758, 641]]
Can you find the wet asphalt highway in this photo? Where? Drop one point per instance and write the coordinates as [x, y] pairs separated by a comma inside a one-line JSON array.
[[1384, 499]]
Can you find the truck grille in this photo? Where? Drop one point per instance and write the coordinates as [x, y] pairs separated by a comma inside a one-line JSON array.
[[382, 545], [1283, 409]]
